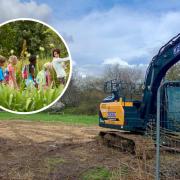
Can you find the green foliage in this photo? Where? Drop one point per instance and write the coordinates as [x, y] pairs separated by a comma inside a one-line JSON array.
[[24, 99], [36, 35], [88, 103], [83, 108], [22, 38], [27, 100]]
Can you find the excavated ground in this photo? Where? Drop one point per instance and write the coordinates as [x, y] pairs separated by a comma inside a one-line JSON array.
[[39, 150]]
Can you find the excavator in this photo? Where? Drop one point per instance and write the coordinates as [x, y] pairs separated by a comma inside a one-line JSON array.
[[132, 121]]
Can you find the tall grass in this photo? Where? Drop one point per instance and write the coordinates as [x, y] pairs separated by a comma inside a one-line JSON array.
[[29, 99]]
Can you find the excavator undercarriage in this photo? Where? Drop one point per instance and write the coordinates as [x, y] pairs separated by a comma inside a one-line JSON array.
[[138, 144]]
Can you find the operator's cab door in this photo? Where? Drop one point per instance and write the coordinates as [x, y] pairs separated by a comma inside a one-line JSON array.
[[170, 111]]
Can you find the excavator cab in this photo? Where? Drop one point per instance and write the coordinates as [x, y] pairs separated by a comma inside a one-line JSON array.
[[170, 106], [121, 111]]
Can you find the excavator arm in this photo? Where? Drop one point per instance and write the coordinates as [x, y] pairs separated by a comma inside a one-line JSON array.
[[167, 56]]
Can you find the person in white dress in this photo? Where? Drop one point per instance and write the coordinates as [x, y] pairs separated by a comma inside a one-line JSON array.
[[59, 66]]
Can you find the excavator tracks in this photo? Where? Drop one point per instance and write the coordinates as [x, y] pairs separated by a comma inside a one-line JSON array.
[[139, 145], [135, 144], [170, 141]]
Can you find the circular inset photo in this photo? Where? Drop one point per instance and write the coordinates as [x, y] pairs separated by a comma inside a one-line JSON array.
[[35, 66]]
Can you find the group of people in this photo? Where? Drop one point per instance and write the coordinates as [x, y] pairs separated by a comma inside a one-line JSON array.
[[43, 77]]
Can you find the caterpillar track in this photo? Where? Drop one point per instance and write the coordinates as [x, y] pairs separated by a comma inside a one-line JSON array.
[[170, 141], [141, 146]]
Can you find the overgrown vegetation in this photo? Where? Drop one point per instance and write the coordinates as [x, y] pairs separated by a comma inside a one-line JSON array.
[[27, 100], [29, 36], [22, 39]]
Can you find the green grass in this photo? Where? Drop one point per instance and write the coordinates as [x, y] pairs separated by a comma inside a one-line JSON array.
[[97, 173], [102, 173], [65, 118], [53, 162]]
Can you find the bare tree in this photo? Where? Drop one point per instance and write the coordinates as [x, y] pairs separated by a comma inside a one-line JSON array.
[[126, 74], [174, 72], [72, 95], [131, 77], [86, 93]]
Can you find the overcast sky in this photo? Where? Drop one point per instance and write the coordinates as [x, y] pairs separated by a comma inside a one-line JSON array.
[[101, 32]]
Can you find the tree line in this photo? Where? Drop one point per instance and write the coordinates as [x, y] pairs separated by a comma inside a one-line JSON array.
[[84, 95]]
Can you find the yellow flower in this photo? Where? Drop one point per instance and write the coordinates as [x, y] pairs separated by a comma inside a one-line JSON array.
[[41, 48], [12, 51], [51, 45], [28, 54]]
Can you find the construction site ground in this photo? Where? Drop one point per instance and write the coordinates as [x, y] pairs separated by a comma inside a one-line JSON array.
[[54, 150]]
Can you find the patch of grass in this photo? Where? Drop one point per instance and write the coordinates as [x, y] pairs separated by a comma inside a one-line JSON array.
[[121, 173], [102, 173], [53, 162], [97, 173], [65, 118]]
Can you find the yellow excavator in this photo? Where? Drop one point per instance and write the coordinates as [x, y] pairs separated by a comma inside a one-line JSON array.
[[133, 119]]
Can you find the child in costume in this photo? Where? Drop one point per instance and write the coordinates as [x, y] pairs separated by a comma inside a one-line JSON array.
[[2, 61], [31, 80], [43, 78], [12, 72]]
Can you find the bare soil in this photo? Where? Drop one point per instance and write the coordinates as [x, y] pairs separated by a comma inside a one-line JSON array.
[[38, 150], [42, 150]]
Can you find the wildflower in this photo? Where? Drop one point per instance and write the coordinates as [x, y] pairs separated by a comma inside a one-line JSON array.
[[12, 51], [41, 48], [51, 45], [28, 55]]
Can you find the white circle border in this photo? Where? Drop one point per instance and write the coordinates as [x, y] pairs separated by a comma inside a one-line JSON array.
[[70, 74]]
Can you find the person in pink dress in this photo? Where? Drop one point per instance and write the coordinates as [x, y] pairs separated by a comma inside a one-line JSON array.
[[12, 72]]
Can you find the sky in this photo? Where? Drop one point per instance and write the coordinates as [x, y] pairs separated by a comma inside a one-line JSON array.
[[100, 32]]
